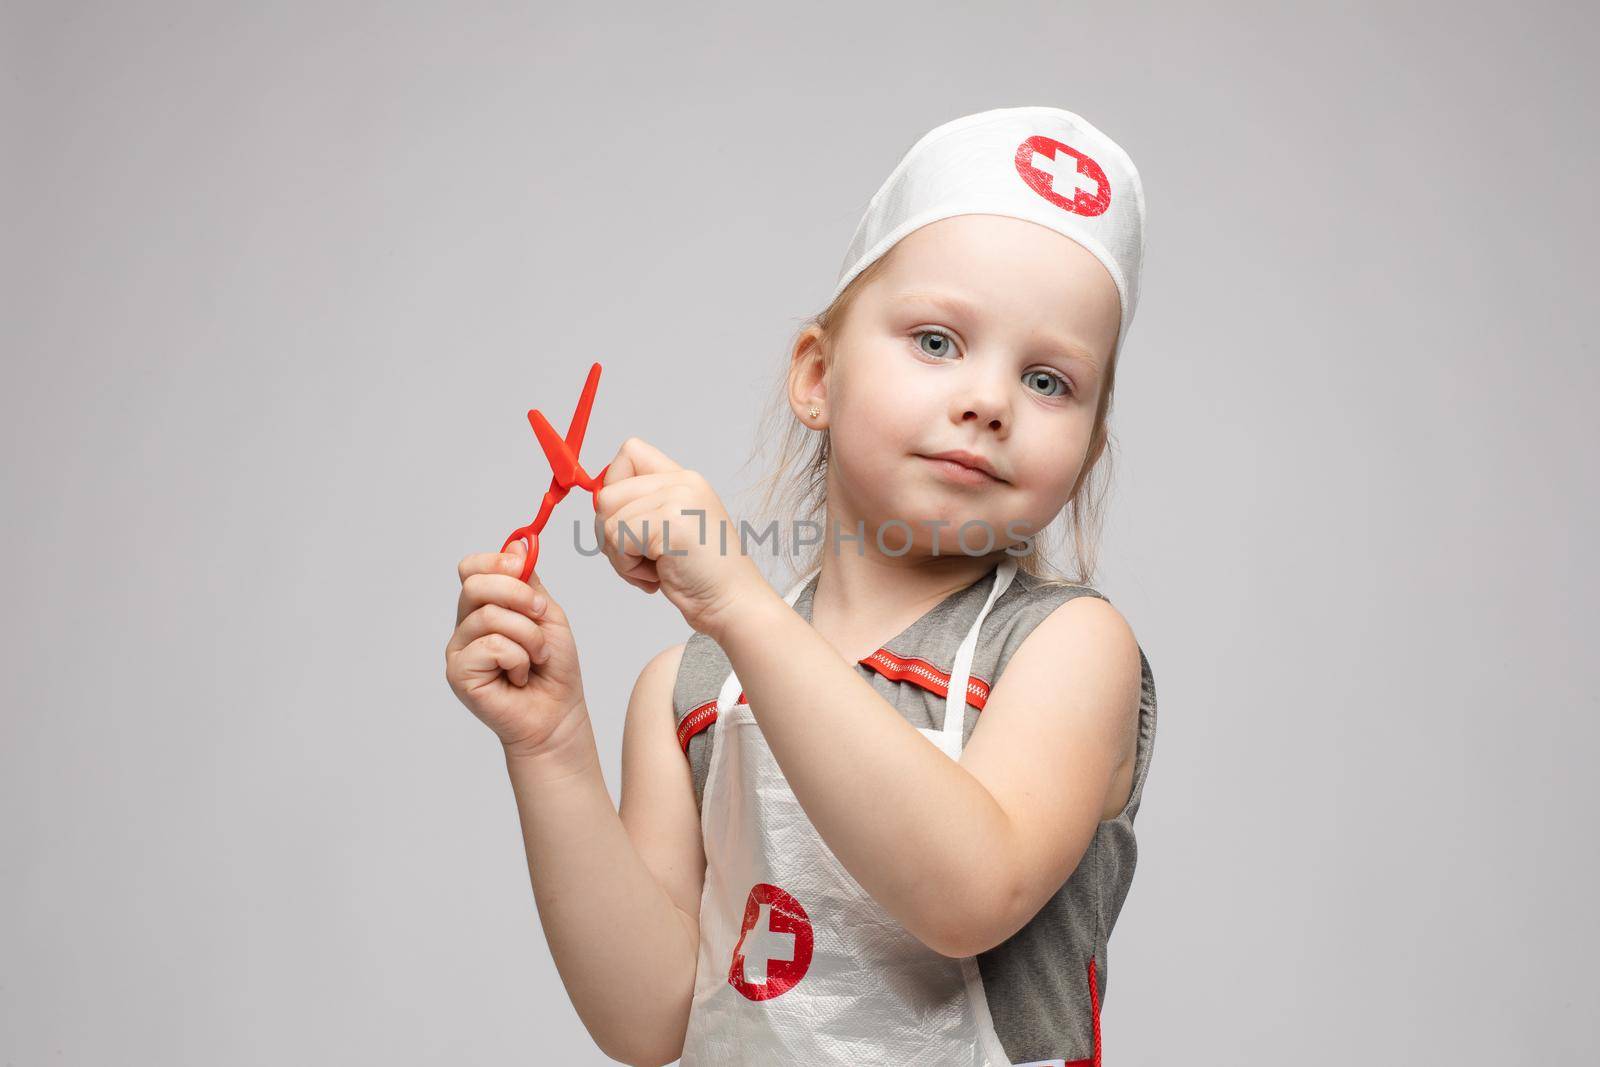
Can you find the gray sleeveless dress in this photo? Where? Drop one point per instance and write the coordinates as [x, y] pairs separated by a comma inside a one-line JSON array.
[[1046, 983]]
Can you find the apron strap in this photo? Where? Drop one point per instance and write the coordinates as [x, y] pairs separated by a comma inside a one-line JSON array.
[[955, 701], [955, 705], [729, 696]]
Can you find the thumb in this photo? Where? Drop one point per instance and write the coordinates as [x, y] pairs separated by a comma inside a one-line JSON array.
[[514, 557], [638, 456]]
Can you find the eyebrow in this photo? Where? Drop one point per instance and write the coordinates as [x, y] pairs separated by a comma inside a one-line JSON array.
[[961, 306]]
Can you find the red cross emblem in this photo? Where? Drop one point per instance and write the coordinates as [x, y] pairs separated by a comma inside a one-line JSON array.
[[774, 947], [1064, 176]]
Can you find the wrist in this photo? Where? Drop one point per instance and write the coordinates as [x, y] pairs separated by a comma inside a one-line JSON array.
[[756, 603], [567, 750]]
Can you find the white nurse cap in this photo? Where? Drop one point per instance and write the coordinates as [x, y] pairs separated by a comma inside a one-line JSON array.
[[1041, 164]]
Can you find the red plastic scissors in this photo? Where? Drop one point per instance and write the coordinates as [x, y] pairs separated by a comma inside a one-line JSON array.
[[563, 456]]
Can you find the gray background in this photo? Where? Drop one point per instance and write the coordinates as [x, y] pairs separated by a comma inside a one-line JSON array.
[[281, 280]]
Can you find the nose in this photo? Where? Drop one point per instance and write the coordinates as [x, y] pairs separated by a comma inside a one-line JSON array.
[[983, 398]]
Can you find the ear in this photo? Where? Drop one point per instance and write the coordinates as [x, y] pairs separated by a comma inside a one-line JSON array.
[[808, 379]]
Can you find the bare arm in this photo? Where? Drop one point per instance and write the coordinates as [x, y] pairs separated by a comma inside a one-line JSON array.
[[961, 853], [618, 894]]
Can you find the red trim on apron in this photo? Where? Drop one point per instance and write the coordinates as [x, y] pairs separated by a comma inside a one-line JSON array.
[[913, 669], [920, 672], [1094, 1006], [697, 720]]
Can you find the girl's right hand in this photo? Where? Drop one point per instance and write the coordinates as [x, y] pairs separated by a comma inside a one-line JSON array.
[[512, 659]]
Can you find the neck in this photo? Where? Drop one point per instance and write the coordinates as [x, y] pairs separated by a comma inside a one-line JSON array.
[[864, 596]]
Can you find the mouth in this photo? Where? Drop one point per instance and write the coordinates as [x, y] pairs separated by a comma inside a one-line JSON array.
[[963, 467]]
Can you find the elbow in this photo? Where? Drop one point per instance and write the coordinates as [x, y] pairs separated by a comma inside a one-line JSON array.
[[649, 1061], [969, 940], [640, 1057], [992, 913], [639, 1044], [962, 946], [986, 919]]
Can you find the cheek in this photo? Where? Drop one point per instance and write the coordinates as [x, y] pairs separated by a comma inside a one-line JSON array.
[[876, 398], [1053, 453], [868, 430]]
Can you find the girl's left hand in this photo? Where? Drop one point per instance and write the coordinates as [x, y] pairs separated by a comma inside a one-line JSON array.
[[674, 536]]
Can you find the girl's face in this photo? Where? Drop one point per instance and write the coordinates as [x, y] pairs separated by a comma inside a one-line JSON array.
[[984, 334]]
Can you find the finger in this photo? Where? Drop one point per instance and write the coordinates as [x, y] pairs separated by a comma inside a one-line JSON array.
[[479, 563], [492, 618], [646, 521], [639, 570], [620, 468], [628, 533], [644, 575], [494, 562], [541, 605], [639, 573], [481, 662], [507, 590], [636, 457], [647, 458], [639, 583], [519, 550], [625, 492]]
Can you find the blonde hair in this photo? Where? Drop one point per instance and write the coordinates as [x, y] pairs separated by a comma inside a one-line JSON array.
[[801, 495]]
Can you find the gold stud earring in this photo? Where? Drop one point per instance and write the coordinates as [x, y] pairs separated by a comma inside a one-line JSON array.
[[815, 411]]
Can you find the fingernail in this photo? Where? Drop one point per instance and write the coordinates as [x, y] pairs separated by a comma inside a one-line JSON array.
[[538, 603]]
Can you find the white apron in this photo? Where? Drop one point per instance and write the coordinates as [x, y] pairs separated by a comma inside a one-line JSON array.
[[797, 963]]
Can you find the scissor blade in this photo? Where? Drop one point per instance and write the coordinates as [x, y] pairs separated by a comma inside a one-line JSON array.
[[562, 461], [580, 417]]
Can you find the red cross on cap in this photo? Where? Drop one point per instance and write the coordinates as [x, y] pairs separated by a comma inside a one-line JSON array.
[[1064, 176]]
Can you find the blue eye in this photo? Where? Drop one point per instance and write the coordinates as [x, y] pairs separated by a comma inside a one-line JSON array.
[[1036, 377], [946, 346], [943, 345]]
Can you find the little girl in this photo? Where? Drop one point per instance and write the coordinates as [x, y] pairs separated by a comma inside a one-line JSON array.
[[886, 818]]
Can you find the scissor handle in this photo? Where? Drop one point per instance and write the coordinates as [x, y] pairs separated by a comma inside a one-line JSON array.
[[530, 533], [563, 455], [599, 483], [531, 536]]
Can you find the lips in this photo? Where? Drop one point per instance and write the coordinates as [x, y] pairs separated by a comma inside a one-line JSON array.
[[969, 460]]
